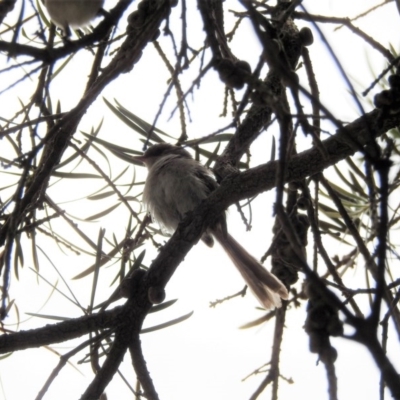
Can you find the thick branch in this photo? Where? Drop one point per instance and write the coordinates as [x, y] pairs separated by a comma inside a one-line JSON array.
[[60, 332], [233, 188], [247, 184], [108, 369]]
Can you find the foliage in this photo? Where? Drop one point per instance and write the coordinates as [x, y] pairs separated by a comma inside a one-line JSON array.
[[65, 172]]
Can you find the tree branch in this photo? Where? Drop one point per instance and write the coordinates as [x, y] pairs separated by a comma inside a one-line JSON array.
[[60, 332], [142, 373]]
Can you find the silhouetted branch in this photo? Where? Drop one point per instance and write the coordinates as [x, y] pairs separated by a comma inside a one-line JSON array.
[[142, 373]]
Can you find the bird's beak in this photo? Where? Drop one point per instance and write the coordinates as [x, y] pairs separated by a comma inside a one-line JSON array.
[[140, 159]]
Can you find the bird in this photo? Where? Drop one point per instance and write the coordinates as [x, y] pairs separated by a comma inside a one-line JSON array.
[[177, 184], [73, 13]]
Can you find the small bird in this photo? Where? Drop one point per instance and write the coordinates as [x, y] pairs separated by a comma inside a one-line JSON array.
[[175, 185], [72, 13]]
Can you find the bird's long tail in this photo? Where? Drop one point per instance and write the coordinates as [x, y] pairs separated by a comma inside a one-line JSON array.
[[265, 286]]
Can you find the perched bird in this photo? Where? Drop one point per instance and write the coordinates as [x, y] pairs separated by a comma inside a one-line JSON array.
[[72, 13], [175, 185]]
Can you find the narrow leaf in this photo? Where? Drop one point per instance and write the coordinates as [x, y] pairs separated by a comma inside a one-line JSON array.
[[167, 324], [103, 213]]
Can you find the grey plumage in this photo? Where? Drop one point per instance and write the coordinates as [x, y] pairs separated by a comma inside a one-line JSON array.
[[74, 13]]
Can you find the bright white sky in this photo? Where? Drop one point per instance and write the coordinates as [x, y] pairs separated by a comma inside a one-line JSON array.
[[207, 356]]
